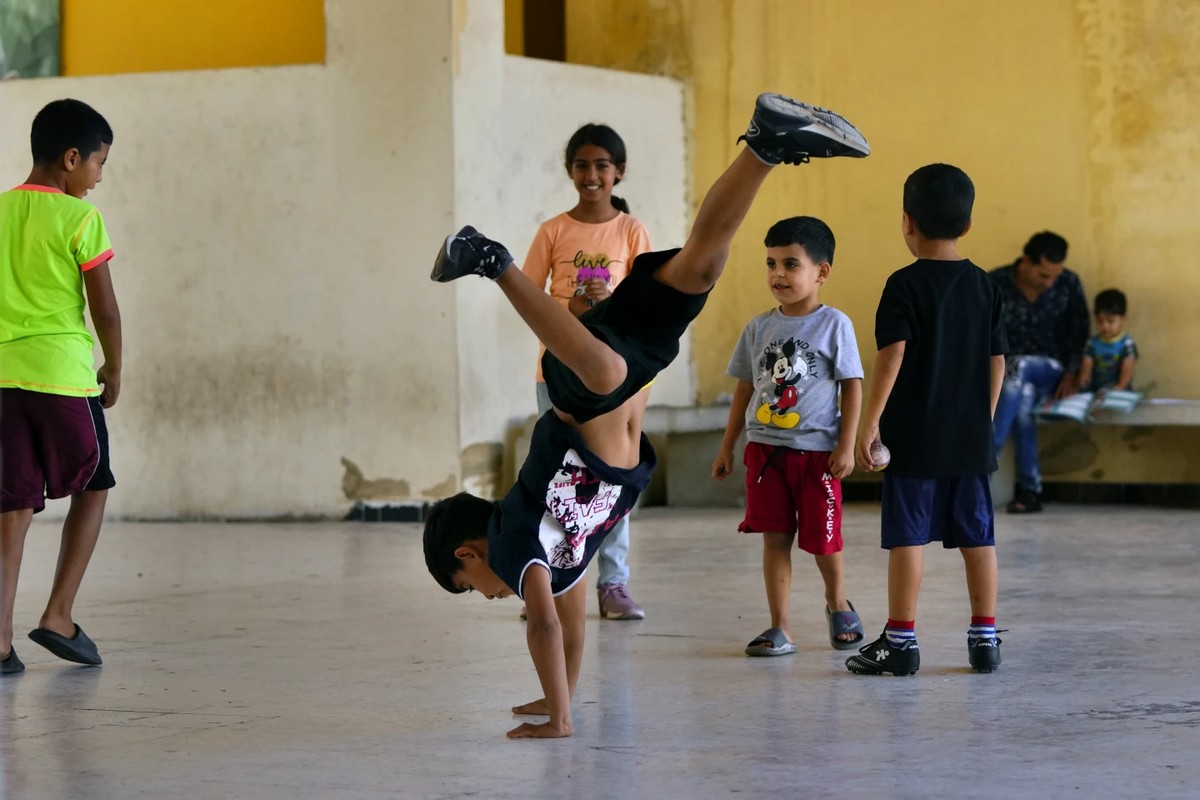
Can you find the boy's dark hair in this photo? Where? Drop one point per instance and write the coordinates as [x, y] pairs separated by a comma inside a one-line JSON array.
[[1047, 245], [64, 124], [601, 136], [939, 198], [1110, 301], [451, 522], [809, 232]]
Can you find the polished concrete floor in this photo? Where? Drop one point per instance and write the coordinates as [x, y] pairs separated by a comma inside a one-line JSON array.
[[321, 661]]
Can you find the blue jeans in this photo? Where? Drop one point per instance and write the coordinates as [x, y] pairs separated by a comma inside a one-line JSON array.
[[614, 550], [1029, 381]]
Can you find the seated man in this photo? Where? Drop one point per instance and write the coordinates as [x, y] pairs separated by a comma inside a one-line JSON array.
[[1046, 319], [588, 459]]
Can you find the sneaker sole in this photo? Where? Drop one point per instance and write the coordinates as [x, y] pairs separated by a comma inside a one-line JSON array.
[[439, 263], [620, 617], [443, 257], [821, 121], [864, 671]]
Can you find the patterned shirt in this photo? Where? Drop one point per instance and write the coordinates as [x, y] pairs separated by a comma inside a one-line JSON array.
[[565, 501], [1107, 358], [1056, 324]]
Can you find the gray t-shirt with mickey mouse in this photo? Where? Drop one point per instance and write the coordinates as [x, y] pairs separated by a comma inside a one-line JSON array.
[[795, 364]]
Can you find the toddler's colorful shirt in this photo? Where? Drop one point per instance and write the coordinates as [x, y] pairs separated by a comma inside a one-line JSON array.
[[1106, 359], [48, 239]]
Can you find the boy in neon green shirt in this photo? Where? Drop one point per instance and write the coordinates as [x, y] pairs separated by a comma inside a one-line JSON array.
[[54, 261]]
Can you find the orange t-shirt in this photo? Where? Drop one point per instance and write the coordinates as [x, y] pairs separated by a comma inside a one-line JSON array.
[[567, 252]]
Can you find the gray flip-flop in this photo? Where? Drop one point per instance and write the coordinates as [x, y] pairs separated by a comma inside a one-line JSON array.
[[770, 642], [79, 648], [13, 664], [844, 622]]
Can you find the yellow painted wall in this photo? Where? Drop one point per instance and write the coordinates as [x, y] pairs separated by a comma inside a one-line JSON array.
[[107, 37], [514, 27], [1074, 115]]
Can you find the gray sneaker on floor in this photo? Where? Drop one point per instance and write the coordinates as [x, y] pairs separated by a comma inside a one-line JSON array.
[[615, 602]]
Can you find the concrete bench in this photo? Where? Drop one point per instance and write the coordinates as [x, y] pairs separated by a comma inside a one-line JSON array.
[[1152, 412], [687, 440]]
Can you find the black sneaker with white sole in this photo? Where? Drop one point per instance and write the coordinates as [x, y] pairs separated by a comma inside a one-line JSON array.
[[469, 252], [984, 653], [882, 656], [786, 131]]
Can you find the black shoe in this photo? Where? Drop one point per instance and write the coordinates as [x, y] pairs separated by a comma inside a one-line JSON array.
[[11, 665], [1025, 501], [984, 653], [882, 656], [785, 131], [469, 252]]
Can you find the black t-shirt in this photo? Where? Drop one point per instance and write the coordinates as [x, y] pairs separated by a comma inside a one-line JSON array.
[[937, 422], [565, 501]]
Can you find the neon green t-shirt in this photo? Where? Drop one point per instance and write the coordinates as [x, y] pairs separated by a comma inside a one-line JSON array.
[[48, 239]]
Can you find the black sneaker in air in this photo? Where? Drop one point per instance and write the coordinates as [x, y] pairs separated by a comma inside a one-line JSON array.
[[469, 252], [882, 656], [984, 653], [786, 131]]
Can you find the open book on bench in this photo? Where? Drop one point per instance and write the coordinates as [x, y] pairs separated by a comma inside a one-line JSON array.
[[1083, 406]]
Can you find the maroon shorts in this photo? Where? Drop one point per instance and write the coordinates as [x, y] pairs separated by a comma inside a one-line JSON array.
[[792, 491], [50, 446]]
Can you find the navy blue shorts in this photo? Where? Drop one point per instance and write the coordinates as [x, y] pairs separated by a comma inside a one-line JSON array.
[[643, 321], [957, 512]]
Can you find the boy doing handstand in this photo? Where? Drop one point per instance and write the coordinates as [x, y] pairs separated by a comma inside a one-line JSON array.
[[588, 459]]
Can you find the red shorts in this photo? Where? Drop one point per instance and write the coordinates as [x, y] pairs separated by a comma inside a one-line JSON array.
[[51, 446], [792, 491]]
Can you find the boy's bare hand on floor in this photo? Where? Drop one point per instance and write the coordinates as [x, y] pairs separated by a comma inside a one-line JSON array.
[[545, 730], [538, 707]]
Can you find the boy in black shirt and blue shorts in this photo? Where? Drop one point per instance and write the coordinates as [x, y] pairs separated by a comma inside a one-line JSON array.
[[588, 459], [937, 379]]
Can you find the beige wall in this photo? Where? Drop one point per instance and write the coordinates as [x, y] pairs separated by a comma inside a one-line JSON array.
[[274, 231], [1073, 115], [265, 223]]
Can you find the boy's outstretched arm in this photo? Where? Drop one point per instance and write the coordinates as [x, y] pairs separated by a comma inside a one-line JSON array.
[[106, 319], [883, 378], [544, 635], [841, 460], [722, 466]]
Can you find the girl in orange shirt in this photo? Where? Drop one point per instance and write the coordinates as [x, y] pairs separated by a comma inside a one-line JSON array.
[[583, 254]]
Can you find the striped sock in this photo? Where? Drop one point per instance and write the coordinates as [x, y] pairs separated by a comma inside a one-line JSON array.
[[982, 628], [899, 632]]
